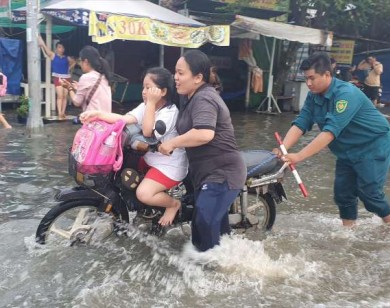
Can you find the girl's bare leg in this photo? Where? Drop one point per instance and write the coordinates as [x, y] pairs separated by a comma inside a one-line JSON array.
[[64, 101], [60, 101], [152, 193]]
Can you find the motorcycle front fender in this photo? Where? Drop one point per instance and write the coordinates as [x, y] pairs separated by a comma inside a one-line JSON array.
[[76, 193], [279, 193]]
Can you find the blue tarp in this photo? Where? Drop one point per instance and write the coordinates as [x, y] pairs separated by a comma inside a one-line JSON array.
[[11, 61]]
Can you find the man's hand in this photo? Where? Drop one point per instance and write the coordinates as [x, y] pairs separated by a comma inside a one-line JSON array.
[[292, 158], [277, 152]]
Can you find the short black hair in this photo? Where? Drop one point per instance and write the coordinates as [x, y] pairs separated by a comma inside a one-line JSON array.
[[60, 43], [319, 61], [199, 63], [98, 63]]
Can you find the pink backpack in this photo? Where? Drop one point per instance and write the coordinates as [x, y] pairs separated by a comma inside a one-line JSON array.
[[3, 85], [91, 148]]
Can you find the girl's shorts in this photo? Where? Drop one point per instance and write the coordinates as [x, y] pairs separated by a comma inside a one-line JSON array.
[[156, 175]]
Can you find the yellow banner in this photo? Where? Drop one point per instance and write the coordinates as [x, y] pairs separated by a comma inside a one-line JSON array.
[[105, 28], [342, 51]]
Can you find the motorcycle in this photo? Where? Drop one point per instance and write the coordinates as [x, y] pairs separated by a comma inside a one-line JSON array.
[[101, 204]]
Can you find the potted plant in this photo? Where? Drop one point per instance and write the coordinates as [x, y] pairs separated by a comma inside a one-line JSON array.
[[22, 110]]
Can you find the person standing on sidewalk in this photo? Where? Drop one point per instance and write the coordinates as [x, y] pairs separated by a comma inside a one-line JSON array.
[[60, 70], [356, 133], [372, 82]]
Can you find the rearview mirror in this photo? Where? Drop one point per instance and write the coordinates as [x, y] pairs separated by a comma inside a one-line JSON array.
[[160, 127]]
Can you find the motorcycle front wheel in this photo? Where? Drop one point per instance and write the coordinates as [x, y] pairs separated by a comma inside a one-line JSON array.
[[73, 222]]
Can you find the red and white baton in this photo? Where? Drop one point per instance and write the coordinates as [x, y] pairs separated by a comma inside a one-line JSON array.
[[292, 167]]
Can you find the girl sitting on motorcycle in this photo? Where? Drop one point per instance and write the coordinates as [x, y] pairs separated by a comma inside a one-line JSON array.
[[164, 171]]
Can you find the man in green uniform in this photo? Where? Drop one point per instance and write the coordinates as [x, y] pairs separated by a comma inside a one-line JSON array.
[[354, 130]]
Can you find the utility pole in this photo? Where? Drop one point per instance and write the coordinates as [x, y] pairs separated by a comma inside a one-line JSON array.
[[34, 121], [161, 48]]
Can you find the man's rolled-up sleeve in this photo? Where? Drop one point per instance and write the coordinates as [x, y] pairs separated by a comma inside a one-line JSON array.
[[305, 119]]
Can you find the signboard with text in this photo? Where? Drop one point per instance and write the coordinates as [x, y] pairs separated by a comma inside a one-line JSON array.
[[105, 28], [342, 51]]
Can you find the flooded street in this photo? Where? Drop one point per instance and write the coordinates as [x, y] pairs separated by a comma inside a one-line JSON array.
[[308, 260]]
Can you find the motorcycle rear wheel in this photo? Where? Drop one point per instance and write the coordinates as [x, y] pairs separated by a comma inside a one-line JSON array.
[[262, 215], [75, 222]]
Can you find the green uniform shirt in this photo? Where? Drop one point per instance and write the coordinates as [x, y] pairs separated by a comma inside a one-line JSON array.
[[360, 130]]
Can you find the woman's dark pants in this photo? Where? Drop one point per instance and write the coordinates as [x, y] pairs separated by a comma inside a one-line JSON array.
[[211, 218]]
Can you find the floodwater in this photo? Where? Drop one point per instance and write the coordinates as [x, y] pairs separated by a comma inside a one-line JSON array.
[[308, 260]]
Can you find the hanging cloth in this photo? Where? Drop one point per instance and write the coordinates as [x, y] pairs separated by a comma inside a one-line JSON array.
[[245, 53]]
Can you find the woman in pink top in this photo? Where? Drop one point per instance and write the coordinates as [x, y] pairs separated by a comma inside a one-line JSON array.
[[92, 91]]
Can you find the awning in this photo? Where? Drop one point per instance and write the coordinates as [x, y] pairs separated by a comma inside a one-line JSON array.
[[138, 20], [282, 31], [134, 8], [76, 12], [6, 20], [253, 28]]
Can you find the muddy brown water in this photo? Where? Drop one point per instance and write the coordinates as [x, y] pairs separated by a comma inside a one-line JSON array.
[[308, 260]]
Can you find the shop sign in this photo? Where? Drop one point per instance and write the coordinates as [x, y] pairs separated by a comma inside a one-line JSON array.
[[342, 51], [106, 27]]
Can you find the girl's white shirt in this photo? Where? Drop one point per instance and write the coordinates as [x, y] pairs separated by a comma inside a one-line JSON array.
[[174, 166]]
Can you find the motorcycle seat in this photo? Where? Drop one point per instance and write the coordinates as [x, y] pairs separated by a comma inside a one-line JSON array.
[[259, 162]]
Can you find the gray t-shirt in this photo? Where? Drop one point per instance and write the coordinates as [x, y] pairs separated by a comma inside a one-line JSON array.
[[219, 160]]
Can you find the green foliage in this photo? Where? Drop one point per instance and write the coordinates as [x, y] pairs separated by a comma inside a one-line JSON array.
[[370, 19], [236, 7], [22, 110]]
